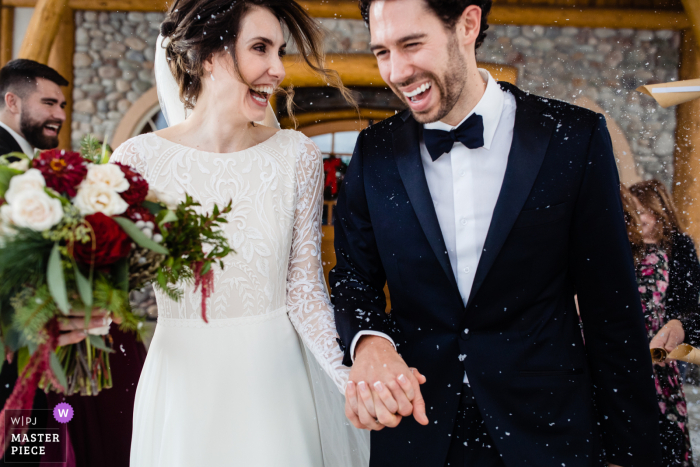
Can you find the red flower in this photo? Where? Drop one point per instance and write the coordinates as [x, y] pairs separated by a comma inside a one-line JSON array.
[[139, 213], [111, 243], [138, 186], [62, 170]]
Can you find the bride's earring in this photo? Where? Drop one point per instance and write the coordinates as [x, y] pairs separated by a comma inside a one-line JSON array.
[[212, 76]]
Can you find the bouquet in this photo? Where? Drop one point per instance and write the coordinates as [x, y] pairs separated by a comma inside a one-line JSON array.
[[77, 233]]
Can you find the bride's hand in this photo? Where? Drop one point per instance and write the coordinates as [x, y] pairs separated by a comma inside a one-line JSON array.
[[73, 328]]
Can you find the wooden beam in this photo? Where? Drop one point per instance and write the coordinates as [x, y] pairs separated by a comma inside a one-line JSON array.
[[692, 8], [686, 164], [61, 60], [311, 118], [500, 14], [617, 18], [7, 22], [362, 70], [42, 30], [332, 9]]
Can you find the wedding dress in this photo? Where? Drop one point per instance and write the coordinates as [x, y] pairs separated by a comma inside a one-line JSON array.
[[246, 389]]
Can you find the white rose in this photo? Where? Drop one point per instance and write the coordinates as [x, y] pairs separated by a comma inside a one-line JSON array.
[[22, 164], [34, 209], [31, 180], [97, 197], [107, 174], [156, 196]]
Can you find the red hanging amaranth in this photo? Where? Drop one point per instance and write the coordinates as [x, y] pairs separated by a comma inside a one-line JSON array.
[[22, 397], [206, 281]]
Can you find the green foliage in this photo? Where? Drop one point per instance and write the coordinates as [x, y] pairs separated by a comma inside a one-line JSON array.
[[139, 237], [23, 260], [110, 298], [184, 237], [56, 280], [92, 149], [5, 159], [33, 309], [6, 174], [57, 369]]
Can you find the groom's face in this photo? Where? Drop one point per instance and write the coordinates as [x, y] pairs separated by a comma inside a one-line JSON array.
[[418, 57]]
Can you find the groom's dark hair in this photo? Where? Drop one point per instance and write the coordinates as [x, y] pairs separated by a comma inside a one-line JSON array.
[[449, 12]]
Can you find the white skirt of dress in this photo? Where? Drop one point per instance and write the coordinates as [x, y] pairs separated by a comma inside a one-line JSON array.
[[234, 392]]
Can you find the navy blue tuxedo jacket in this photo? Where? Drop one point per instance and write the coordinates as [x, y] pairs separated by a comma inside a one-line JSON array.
[[557, 231]]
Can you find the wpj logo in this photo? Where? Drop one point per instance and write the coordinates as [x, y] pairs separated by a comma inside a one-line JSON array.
[[34, 436]]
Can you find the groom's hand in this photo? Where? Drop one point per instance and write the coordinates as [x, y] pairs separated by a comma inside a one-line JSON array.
[[382, 389]]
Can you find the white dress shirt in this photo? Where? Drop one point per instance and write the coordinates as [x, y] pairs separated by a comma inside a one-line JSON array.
[[23, 143], [465, 183]]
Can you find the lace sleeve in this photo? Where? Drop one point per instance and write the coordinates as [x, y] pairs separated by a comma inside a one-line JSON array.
[[128, 154], [308, 305]]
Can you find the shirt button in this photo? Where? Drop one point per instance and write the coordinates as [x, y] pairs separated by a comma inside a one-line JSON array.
[[464, 221], [465, 335], [466, 270], [461, 174]]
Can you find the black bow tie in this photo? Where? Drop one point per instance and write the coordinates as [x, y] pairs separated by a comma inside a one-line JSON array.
[[470, 133]]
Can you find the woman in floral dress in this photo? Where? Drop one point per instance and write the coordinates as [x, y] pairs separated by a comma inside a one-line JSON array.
[[651, 248]]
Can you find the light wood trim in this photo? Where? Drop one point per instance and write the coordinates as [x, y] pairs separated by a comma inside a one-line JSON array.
[[42, 30], [500, 14], [311, 118], [362, 70], [692, 8], [61, 60], [134, 117], [333, 126], [686, 163], [7, 26], [618, 18]]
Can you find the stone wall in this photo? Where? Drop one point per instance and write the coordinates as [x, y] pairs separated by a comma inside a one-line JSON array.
[[606, 65], [114, 66]]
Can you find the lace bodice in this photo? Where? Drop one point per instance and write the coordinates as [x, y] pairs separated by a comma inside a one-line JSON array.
[[274, 227]]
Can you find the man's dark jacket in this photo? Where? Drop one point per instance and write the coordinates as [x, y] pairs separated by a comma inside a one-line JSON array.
[[8, 143], [557, 231]]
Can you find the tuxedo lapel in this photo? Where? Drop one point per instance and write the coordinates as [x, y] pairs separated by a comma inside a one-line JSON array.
[[8, 143], [408, 160], [531, 136]]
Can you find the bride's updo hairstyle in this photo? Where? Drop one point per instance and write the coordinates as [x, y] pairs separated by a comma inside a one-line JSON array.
[[199, 28]]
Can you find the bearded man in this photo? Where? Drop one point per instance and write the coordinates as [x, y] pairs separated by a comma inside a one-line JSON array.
[[31, 116], [486, 210], [32, 107]]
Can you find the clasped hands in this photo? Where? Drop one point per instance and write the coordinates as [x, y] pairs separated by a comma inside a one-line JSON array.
[[73, 329], [382, 389]]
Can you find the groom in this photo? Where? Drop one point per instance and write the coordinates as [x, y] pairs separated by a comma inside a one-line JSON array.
[[486, 210]]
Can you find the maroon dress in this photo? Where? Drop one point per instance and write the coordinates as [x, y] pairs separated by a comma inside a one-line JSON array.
[[100, 431]]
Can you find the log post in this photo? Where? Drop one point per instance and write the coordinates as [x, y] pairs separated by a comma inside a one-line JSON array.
[[692, 9], [42, 30], [61, 60], [686, 164], [7, 21]]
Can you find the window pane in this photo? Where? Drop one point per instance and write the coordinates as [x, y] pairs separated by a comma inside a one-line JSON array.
[[345, 141], [159, 119], [323, 142]]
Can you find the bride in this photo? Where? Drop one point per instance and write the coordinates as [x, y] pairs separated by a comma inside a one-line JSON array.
[[240, 390]]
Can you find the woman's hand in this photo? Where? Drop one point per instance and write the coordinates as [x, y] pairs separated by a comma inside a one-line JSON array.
[[73, 328], [669, 337]]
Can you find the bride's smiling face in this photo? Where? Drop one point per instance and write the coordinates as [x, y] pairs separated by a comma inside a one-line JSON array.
[[259, 50]]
